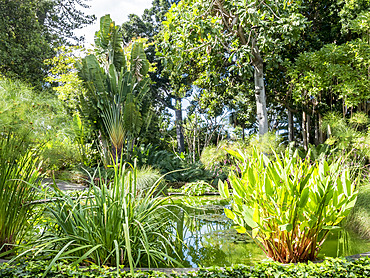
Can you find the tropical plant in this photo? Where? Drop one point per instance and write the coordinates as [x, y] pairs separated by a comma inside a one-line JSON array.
[[18, 178], [115, 88], [289, 203], [117, 224]]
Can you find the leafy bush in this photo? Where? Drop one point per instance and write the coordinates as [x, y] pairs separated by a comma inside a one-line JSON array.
[[197, 188], [40, 118], [18, 176], [359, 218], [333, 268], [120, 225], [218, 161], [289, 203], [182, 171]]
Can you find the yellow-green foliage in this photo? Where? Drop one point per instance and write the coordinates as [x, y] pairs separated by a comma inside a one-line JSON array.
[[359, 219], [348, 134], [289, 203], [42, 119], [213, 156]]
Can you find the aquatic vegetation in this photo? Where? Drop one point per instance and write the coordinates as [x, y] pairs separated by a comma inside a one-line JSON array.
[[290, 203]]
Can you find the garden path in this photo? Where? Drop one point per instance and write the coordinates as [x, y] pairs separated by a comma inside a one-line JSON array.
[[63, 185]]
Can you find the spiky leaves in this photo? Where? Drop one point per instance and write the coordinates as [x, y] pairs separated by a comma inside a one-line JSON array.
[[18, 175]]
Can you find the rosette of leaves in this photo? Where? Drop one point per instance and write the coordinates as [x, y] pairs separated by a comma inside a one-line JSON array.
[[115, 87]]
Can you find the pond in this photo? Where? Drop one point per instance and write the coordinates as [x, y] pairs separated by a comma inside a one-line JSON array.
[[211, 241]]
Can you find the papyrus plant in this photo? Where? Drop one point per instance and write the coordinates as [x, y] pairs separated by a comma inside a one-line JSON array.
[[288, 203]]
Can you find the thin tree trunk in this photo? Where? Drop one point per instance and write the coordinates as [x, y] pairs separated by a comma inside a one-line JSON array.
[[317, 131], [304, 131], [179, 130], [308, 128], [290, 126], [194, 138], [321, 134], [259, 85]]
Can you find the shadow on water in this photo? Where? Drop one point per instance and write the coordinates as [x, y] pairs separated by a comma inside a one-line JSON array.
[[208, 239]]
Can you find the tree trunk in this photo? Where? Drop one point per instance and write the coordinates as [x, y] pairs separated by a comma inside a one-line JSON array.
[[290, 126], [308, 128], [179, 130], [317, 131], [259, 85], [321, 134], [304, 131]]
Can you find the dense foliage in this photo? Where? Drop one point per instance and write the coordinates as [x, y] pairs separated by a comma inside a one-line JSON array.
[[257, 78], [29, 32], [288, 203], [334, 268], [19, 164], [116, 222]]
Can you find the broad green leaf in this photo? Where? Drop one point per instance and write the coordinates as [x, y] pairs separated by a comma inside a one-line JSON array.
[[223, 188], [247, 213], [255, 232], [241, 229], [229, 214], [235, 154]]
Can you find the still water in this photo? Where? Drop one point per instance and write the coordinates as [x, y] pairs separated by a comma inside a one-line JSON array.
[[211, 241]]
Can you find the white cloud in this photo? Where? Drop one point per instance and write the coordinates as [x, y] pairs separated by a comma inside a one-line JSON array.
[[118, 10]]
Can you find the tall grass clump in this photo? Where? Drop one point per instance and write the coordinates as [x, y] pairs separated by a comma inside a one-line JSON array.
[[289, 204], [18, 178], [117, 224]]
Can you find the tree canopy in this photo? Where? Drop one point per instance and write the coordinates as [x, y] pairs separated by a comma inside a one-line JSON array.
[[29, 32]]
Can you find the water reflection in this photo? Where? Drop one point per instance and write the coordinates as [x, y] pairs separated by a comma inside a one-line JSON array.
[[207, 237], [343, 243]]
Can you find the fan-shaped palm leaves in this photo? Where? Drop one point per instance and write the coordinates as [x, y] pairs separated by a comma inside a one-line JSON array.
[[115, 90]]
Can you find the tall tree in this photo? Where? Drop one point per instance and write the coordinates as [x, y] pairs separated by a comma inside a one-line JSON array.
[[244, 34], [29, 32], [164, 93]]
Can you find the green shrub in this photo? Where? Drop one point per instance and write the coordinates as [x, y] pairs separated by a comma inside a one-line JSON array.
[[197, 188], [176, 168], [333, 268], [359, 218], [289, 203]]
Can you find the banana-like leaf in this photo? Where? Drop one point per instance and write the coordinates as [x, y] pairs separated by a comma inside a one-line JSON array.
[[139, 64], [109, 38]]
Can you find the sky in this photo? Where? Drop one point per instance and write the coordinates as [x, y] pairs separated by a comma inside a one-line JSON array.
[[118, 10]]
